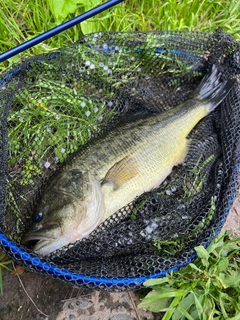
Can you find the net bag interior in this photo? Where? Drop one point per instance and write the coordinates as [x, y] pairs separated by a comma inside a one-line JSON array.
[[53, 104]]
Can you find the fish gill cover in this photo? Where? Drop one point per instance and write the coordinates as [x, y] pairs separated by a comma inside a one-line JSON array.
[[52, 105]]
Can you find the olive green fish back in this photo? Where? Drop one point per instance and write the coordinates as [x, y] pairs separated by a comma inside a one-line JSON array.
[[51, 105]]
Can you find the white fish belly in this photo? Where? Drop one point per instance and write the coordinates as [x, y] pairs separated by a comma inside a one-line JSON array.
[[155, 162]]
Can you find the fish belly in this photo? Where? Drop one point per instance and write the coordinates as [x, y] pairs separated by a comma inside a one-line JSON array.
[[155, 158]]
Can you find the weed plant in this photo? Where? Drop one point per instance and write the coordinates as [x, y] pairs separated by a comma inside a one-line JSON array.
[[207, 289]]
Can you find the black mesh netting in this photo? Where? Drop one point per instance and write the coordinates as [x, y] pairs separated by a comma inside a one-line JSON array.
[[51, 104]]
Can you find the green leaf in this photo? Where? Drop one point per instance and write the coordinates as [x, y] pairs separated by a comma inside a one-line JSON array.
[[202, 252], [231, 279], [159, 300], [90, 25], [223, 264], [154, 282], [184, 313], [229, 247], [160, 305], [184, 307], [164, 293], [62, 8], [198, 305], [216, 243], [193, 266], [209, 307]]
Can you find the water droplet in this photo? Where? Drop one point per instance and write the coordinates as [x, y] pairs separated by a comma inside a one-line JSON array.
[[87, 63], [57, 116], [168, 192], [47, 164], [62, 150], [184, 217], [181, 206], [92, 66], [105, 46]]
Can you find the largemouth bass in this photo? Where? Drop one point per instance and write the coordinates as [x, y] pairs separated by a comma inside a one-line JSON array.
[[116, 168]]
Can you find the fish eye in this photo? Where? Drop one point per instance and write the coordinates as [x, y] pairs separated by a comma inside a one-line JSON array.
[[37, 217]]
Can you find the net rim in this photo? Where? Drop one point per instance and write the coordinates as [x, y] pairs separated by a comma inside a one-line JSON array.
[[12, 248]]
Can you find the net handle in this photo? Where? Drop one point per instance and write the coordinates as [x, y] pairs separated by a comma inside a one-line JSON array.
[[56, 30]]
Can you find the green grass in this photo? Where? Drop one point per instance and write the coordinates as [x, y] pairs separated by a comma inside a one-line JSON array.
[[207, 289], [22, 20]]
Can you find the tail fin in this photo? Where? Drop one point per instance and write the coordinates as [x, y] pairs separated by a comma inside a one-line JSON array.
[[213, 88]]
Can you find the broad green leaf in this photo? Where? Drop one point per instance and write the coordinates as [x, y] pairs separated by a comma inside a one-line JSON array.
[[155, 297], [62, 8], [231, 279], [202, 252], [223, 264], [198, 305], [221, 301], [193, 266], [159, 305], [175, 302], [164, 293], [229, 247], [216, 243], [183, 312], [89, 26], [187, 301], [154, 282], [184, 307]]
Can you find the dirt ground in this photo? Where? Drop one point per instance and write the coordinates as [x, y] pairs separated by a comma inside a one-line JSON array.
[[32, 296], [55, 300]]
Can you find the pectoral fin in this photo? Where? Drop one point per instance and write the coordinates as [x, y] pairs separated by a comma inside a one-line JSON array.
[[121, 172]]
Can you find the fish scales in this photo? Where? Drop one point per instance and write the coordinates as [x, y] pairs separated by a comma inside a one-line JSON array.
[[119, 166], [155, 144]]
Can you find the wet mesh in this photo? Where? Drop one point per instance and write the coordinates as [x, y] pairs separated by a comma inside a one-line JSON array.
[[53, 104]]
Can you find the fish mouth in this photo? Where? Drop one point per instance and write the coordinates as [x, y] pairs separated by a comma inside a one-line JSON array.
[[38, 238]]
